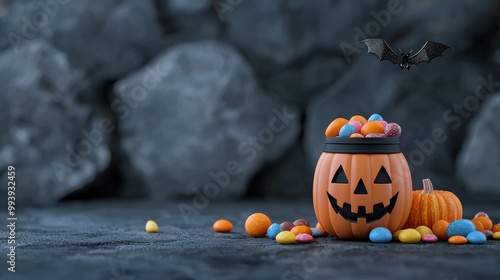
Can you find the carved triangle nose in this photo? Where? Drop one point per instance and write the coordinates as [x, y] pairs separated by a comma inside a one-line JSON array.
[[360, 188]]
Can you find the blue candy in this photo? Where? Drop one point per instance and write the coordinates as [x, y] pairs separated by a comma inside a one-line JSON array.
[[273, 230], [347, 130], [460, 227], [380, 235], [476, 237], [375, 117], [316, 232]]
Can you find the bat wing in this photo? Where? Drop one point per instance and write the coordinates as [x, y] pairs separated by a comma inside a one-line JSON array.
[[429, 51], [382, 50]]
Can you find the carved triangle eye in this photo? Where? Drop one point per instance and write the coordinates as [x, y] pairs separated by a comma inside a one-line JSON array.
[[340, 176], [382, 177]]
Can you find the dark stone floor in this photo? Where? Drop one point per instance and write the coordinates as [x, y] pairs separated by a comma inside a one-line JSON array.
[[106, 240]]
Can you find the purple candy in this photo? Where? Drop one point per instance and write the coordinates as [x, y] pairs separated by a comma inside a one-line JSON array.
[[301, 222], [392, 130], [287, 226], [488, 233]]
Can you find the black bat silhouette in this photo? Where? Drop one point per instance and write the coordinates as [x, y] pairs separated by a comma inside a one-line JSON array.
[[382, 50]]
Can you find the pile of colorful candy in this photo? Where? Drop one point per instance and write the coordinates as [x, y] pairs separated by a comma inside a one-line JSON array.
[[359, 127], [474, 231], [259, 225]]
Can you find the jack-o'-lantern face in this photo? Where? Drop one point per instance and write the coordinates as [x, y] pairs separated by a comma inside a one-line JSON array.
[[354, 193], [340, 180]]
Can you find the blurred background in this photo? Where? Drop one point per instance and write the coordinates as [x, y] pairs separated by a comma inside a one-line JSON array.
[[230, 98]]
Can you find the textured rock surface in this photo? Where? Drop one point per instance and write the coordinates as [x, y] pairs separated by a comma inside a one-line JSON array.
[[195, 115], [479, 160], [44, 125], [106, 39], [107, 240]]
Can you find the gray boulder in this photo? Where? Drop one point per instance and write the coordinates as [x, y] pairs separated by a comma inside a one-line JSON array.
[[55, 143], [105, 39], [196, 122], [478, 163]]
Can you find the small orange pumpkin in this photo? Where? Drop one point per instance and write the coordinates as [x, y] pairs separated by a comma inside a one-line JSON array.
[[430, 206], [359, 185]]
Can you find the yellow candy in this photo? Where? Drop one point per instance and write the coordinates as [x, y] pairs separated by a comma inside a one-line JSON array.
[[395, 236], [151, 226], [410, 236], [423, 230], [285, 237], [496, 235]]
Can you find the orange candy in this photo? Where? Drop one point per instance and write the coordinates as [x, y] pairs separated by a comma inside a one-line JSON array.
[[372, 127], [359, 118], [479, 226], [257, 224], [356, 135], [487, 223], [457, 240], [222, 225], [496, 228], [439, 229], [301, 229], [333, 129]]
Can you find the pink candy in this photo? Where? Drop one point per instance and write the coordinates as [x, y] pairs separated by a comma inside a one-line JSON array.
[[429, 238], [304, 238], [375, 135], [357, 125]]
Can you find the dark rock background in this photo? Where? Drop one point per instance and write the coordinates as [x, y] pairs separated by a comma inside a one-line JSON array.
[[86, 112]]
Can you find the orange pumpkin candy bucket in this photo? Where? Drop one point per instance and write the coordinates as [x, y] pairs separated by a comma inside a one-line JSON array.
[[360, 184]]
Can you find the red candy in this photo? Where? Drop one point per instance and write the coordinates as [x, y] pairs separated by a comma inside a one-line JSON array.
[[304, 238], [287, 226], [301, 222]]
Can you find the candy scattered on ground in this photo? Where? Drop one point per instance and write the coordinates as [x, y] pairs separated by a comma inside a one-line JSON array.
[[429, 238], [285, 237], [301, 229], [410, 236], [320, 227], [460, 227], [476, 237], [380, 235], [316, 232], [479, 226], [257, 224], [395, 236], [458, 239], [496, 228], [487, 223], [287, 226], [273, 230], [439, 229], [151, 226], [496, 235], [304, 238], [423, 230], [301, 222], [222, 225]]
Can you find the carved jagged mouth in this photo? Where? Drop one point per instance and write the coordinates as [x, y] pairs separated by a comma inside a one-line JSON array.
[[378, 210]]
